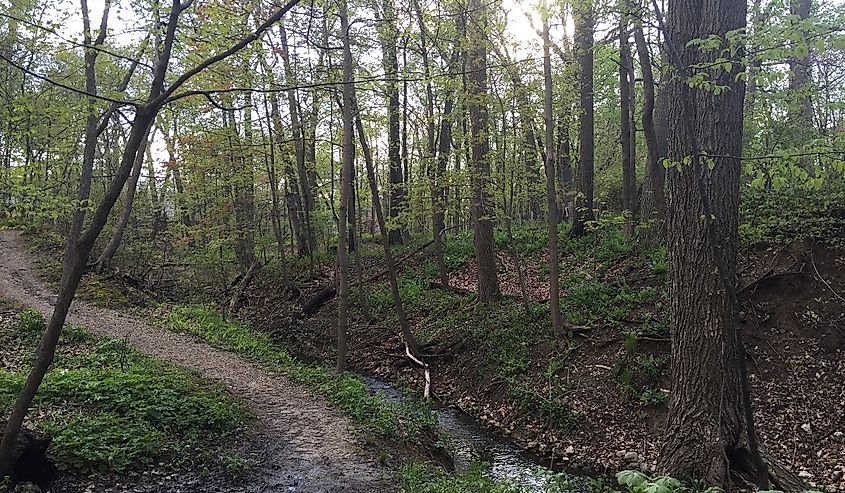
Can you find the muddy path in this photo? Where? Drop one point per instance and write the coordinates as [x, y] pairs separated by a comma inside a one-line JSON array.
[[307, 446]]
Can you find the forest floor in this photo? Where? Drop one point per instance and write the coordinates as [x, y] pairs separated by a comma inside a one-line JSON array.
[[595, 403], [304, 445]]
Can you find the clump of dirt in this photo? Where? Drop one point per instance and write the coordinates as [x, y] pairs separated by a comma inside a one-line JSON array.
[[792, 321]]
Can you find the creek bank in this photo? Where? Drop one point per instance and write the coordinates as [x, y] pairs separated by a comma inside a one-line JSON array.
[[795, 350], [471, 442]]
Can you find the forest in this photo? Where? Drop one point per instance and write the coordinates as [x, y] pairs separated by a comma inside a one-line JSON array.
[[422, 246]]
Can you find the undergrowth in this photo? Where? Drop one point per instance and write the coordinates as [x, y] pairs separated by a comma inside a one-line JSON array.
[[406, 420], [421, 478], [111, 409]]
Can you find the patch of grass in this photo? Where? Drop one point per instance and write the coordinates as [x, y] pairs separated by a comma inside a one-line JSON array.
[[101, 292], [420, 478], [612, 246], [458, 249], [508, 333], [658, 260], [793, 213], [588, 300], [528, 239], [548, 401], [109, 408], [405, 420]]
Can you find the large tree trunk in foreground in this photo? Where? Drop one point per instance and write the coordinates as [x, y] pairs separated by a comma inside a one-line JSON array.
[[710, 429], [705, 411], [584, 27], [488, 282]]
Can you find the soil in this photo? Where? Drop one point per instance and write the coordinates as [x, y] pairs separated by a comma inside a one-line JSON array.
[[305, 445], [793, 321]]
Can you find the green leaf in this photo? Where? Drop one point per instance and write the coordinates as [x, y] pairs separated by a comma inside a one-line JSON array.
[[631, 478]]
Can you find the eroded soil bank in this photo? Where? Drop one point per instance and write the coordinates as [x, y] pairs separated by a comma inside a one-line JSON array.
[[793, 322]]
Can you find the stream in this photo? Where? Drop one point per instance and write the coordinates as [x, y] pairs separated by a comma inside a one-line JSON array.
[[471, 441]]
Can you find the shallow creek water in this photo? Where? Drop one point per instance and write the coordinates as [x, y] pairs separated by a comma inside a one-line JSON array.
[[471, 441]]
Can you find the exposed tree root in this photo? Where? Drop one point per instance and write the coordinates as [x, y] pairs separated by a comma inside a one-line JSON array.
[[780, 477]]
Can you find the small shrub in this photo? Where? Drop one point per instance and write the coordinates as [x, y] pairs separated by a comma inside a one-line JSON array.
[[31, 322], [658, 260]]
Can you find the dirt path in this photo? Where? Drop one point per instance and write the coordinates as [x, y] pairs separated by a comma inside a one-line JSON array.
[[312, 446]]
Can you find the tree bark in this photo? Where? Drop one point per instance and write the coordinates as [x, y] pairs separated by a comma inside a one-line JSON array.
[[584, 28], [551, 193], [488, 282], [348, 155], [627, 129], [709, 420]]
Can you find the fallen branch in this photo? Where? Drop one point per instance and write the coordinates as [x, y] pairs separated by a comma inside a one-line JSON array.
[[400, 260], [454, 289], [427, 390], [812, 261], [241, 287]]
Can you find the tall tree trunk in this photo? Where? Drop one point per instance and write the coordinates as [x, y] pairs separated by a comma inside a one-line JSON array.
[[304, 188], [389, 264], [242, 191], [488, 282], [801, 107], [584, 27], [564, 166], [292, 197], [348, 155], [92, 120], [389, 37], [129, 199], [441, 146], [627, 129], [551, 193], [653, 200], [710, 424], [275, 212]]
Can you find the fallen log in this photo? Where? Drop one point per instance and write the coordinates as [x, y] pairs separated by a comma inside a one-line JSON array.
[[313, 304]]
